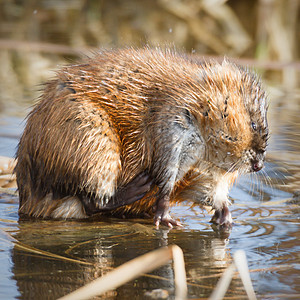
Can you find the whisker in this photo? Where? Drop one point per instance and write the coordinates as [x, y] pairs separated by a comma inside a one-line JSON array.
[[252, 185], [267, 179], [260, 187], [232, 167]]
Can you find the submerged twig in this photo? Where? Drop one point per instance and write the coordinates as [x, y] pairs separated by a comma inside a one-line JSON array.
[[24, 247], [49, 254]]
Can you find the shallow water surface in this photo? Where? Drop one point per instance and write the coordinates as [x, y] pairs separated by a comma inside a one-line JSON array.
[[265, 210]]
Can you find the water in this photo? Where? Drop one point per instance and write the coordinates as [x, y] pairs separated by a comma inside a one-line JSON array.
[[265, 211]]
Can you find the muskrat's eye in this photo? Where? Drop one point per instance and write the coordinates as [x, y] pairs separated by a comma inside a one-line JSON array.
[[253, 125]]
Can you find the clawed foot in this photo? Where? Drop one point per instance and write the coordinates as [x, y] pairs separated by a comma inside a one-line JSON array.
[[165, 219], [134, 190], [162, 215], [222, 217]]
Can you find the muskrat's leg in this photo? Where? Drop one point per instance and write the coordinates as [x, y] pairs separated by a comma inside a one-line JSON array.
[[165, 172], [162, 213], [166, 167], [222, 217], [176, 149], [220, 201]]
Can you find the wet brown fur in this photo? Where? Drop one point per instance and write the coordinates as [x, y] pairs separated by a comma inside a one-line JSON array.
[[97, 126]]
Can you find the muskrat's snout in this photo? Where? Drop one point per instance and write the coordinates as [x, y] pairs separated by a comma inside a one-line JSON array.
[[257, 165], [257, 162]]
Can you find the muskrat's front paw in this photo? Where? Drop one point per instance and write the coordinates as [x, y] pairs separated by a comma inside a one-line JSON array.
[[222, 217], [162, 213], [165, 219]]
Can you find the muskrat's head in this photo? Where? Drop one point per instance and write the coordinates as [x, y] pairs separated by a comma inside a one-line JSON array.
[[233, 118]]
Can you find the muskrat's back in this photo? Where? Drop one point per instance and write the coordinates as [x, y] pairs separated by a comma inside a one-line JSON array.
[[130, 130]]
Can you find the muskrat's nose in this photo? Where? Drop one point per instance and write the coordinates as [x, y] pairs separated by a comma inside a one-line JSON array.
[[257, 165]]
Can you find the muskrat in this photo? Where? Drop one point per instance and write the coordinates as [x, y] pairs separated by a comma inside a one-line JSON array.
[[131, 132]]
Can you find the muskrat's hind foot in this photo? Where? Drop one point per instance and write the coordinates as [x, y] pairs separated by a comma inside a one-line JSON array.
[[162, 215], [132, 192], [222, 217]]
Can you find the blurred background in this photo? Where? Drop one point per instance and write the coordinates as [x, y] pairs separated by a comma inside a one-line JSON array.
[[36, 36]]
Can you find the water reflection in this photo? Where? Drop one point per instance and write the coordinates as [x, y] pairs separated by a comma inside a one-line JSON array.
[[103, 246]]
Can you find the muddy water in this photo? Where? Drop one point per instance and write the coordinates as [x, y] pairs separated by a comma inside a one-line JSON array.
[[265, 211]]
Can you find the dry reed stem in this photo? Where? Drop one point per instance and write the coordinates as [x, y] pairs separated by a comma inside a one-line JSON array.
[[223, 284], [134, 268], [7, 165], [179, 270], [240, 263]]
